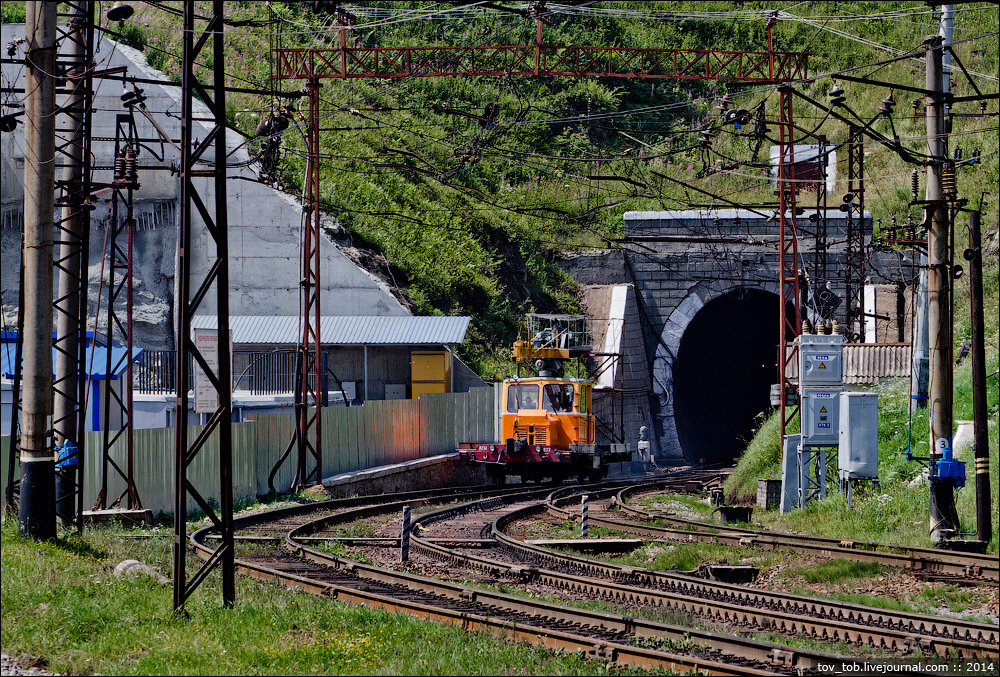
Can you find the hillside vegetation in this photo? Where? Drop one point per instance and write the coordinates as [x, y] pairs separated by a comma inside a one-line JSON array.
[[472, 219]]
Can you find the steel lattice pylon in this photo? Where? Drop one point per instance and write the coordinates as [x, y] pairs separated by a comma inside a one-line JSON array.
[[310, 426], [73, 157], [788, 252], [854, 280], [120, 259], [203, 157]]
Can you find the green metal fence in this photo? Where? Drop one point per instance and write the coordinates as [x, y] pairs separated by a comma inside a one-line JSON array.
[[354, 438]]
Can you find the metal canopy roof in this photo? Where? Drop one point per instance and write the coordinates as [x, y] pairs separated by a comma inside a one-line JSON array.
[[351, 330], [97, 360]]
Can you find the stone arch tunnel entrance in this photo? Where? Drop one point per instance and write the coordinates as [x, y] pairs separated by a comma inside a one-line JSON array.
[[723, 371]]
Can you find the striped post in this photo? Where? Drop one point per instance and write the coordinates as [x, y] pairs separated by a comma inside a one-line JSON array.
[[584, 514], [404, 536]]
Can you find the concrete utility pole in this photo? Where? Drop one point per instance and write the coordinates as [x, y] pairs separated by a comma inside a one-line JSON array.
[[37, 517], [944, 517], [918, 394], [974, 255], [946, 33]]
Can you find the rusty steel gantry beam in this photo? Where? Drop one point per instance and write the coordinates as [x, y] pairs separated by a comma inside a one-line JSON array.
[[343, 62], [203, 161], [539, 59], [123, 185]]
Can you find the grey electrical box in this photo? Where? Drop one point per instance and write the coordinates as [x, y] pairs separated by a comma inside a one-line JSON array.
[[819, 412], [790, 473], [821, 360], [857, 455], [395, 391]]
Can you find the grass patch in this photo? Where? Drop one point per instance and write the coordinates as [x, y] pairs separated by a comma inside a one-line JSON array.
[[61, 602], [834, 571], [685, 556]]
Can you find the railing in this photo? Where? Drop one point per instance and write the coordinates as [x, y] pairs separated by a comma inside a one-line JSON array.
[[155, 375], [264, 373], [260, 373]]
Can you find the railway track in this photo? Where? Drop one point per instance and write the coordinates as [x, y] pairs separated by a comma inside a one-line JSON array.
[[282, 543], [610, 636], [900, 632], [931, 562]]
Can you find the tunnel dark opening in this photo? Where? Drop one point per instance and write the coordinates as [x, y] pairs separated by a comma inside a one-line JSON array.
[[724, 369]]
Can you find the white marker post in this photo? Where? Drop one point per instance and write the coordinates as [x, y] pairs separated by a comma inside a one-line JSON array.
[[584, 514]]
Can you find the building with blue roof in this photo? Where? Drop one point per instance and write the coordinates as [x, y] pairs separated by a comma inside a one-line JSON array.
[[97, 374]]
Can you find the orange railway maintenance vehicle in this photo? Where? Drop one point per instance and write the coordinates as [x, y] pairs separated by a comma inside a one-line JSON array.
[[547, 421]]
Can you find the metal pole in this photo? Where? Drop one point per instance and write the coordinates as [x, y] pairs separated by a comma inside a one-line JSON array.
[[37, 517], [918, 373], [13, 452], [404, 536], [584, 515], [943, 517], [974, 255]]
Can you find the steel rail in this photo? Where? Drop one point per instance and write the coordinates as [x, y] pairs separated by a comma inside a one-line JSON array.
[[779, 656], [532, 621], [980, 568], [760, 609]]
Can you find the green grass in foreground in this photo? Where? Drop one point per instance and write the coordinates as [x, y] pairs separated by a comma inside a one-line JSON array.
[[60, 601]]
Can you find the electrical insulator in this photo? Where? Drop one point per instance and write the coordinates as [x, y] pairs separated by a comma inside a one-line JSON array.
[[982, 107], [131, 167], [914, 184], [949, 186], [888, 103], [119, 168], [958, 152], [724, 103], [836, 95]]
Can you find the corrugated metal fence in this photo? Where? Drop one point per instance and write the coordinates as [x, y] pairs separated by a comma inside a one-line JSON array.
[[377, 433]]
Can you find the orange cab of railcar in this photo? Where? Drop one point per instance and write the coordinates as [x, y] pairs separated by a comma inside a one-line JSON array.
[[553, 412]]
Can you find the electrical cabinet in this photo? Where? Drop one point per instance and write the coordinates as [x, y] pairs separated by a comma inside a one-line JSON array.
[[821, 360], [857, 454], [430, 372], [819, 412]]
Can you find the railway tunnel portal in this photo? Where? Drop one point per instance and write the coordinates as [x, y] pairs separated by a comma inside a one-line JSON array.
[[706, 300]]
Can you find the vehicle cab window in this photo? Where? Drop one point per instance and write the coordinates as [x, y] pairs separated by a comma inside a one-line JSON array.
[[558, 397], [522, 396]]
